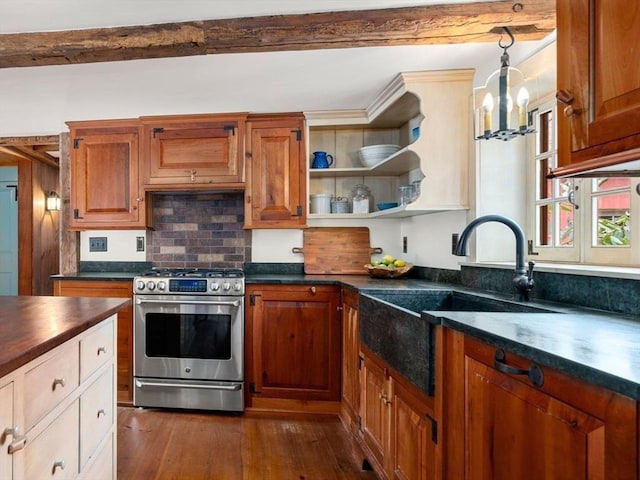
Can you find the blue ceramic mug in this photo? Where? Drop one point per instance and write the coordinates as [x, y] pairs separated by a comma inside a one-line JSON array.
[[321, 160]]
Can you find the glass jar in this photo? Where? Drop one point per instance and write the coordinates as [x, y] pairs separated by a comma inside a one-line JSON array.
[[416, 189], [406, 194], [360, 199]]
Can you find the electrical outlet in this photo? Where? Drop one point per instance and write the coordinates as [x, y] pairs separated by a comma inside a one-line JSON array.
[[139, 244], [97, 244], [404, 245], [454, 243]]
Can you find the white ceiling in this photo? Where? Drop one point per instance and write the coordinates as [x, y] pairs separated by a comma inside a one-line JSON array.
[[37, 100]]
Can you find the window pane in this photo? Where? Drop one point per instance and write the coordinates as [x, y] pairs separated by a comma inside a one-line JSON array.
[[612, 219], [545, 225], [610, 183], [544, 135], [566, 225], [545, 184]]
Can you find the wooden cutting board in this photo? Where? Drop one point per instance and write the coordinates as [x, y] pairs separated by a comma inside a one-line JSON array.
[[336, 250]]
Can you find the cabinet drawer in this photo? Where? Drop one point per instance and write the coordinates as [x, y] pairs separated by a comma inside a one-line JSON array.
[[102, 467], [96, 414], [96, 349], [49, 382], [54, 453]]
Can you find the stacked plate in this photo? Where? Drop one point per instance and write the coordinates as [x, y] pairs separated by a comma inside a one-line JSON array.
[[374, 154]]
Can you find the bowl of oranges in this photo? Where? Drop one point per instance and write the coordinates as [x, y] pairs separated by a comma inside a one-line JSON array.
[[388, 267]]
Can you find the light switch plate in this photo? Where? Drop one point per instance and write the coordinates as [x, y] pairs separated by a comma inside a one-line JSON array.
[[139, 244], [97, 244]]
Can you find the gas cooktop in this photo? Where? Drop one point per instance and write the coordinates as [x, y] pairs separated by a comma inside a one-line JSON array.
[[194, 272]]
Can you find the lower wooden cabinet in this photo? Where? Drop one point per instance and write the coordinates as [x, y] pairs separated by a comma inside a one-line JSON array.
[[117, 289], [7, 420], [538, 425], [398, 429], [293, 343], [350, 407]]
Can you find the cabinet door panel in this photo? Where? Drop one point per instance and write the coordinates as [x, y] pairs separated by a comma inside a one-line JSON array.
[[276, 190], [375, 409], [296, 343], [104, 180], [350, 357], [200, 151], [599, 69], [6, 421]]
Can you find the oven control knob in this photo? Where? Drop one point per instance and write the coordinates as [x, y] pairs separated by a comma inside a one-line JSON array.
[[151, 285], [237, 287], [215, 287], [226, 286], [162, 285], [140, 285]]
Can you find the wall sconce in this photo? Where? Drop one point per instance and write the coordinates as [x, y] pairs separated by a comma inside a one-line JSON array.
[[499, 86], [53, 202]]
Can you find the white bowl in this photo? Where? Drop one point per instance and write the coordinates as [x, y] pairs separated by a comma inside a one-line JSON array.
[[374, 154]]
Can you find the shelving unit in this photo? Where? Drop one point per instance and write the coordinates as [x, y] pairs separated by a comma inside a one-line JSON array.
[[435, 104]]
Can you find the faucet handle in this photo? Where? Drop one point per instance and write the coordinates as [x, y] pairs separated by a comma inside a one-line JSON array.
[[530, 270]]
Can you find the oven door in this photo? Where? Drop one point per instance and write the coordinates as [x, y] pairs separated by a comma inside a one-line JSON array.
[[189, 337]]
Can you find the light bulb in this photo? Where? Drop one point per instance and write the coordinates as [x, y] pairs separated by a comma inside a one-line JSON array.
[[523, 101], [487, 107]]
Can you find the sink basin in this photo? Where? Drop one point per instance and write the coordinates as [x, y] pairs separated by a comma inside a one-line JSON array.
[[391, 325], [449, 300]]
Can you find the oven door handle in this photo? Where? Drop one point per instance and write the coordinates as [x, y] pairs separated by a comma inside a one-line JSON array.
[[143, 383], [235, 303]]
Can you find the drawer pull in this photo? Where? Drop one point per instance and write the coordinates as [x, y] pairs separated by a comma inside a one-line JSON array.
[[101, 413], [534, 372], [58, 381], [19, 441], [58, 464], [102, 350]]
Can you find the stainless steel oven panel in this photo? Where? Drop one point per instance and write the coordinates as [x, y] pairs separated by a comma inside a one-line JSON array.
[[198, 395], [189, 368]]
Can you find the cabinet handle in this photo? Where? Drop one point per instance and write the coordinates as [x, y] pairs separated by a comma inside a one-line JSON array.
[[58, 464], [101, 413], [313, 290], [193, 175], [58, 381], [384, 398], [534, 372], [566, 98], [102, 350], [18, 442]]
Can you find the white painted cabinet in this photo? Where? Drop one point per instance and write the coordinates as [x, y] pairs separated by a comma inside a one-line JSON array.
[[428, 115], [63, 404]]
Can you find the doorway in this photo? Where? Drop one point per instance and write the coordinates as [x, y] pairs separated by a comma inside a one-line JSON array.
[[9, 231]]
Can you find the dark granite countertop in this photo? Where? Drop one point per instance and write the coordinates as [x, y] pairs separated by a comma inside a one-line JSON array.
[[597, 347], [600, 347], [31, 326]]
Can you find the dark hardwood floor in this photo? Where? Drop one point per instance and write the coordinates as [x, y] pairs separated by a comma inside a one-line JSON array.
[[180, 445]]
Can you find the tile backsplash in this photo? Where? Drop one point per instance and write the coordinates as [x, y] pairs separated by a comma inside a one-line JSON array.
[[199, 230]]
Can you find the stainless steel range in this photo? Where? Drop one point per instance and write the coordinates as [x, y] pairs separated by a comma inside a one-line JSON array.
[[189, 339]]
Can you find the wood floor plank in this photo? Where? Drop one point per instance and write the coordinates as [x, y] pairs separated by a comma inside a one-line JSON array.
[[167, 445]]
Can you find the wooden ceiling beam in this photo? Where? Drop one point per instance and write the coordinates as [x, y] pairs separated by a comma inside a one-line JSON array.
[[432, 24]]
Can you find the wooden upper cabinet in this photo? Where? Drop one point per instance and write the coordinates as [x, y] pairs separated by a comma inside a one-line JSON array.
[[105, 183], [276, 172], [194, 151], [598, 83]]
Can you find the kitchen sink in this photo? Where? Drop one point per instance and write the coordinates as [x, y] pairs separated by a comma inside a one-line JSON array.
[[392, 326], [450, 300]]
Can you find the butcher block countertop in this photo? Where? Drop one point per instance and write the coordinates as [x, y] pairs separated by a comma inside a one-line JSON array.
[[31, 326]]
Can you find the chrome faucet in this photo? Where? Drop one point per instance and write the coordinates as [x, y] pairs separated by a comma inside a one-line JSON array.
[[523, 281]]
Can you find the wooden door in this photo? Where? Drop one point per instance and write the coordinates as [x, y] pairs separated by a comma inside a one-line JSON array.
[[350, 358], [105, 188], [413, 436], [118, 289], [375, 410], [295, 331], [193, 151], [560, 431], [276, 173], [598, 79]]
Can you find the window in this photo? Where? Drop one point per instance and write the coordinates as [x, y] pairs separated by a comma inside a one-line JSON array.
[[585, 220]]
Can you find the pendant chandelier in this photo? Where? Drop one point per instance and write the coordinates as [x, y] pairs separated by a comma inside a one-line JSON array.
[[499, 85]]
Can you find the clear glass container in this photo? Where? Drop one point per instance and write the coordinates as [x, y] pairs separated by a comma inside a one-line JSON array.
[[406, 194], [361, 199], [416, 189]]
